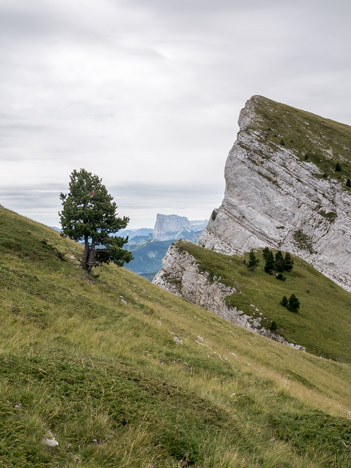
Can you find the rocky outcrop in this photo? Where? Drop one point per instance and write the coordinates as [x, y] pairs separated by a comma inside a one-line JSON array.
[[276, 196], [180, 274]]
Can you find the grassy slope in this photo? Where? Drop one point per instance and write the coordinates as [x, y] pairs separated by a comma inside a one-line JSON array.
[[95, 358], [311, 137], [323, 322]]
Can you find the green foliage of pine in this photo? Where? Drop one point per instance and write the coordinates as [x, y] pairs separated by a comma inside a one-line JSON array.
[[125, 374], [284, 301], [270, 263], [288, 262], [293, 303], [89, 215], [279, 262], [253, 261]]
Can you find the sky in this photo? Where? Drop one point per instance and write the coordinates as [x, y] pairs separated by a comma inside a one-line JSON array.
[[147, 93]]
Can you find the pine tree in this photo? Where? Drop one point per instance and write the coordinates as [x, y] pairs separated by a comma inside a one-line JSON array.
[[293, 303], [89, 215], [284, 301], [265, 253], [279, 261], [269, 266], [253, 261], [288, 262], [338, 167], [348, 183], [273, 326]]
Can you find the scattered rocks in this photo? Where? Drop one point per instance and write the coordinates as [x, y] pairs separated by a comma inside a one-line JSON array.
[[50, 442]]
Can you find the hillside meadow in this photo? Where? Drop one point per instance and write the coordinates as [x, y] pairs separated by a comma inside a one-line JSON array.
[[124, 374], [322, 324]]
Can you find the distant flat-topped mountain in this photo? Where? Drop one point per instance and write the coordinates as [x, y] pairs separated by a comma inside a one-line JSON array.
[[149, 246], [176, 227]]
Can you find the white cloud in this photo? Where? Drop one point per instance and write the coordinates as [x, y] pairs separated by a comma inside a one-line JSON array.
[[147, 94]]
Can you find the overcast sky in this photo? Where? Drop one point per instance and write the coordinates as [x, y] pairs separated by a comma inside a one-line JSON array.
[[147, 93]]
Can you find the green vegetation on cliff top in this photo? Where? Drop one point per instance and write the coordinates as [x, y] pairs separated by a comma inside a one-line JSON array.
[[312, 138], [323, 322], [125, 374]]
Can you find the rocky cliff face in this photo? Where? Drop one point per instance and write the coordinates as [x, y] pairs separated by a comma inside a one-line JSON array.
[[282, 189], [181, 275]]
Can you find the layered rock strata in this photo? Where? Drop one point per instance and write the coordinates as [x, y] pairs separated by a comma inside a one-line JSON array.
[[275, 197]]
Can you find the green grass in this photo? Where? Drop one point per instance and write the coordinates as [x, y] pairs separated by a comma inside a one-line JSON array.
[[93, 360], [322, 324], [312, 138]]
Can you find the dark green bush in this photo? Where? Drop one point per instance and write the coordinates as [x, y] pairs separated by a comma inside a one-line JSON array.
[[293, 304], [284, 301], [273, 326], [280, 277]]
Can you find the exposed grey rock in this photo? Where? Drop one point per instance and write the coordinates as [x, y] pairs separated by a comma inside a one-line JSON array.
[[271, 196], [180, 275], [50, 442]]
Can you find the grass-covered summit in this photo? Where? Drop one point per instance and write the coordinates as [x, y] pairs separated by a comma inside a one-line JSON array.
[[312, 138], [124, 374]]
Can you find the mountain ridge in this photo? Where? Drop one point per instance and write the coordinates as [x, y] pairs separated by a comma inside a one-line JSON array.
[[282, 189]]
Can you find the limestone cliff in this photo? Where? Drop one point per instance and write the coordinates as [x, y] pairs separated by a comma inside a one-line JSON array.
[[181, 275], [286, 188]]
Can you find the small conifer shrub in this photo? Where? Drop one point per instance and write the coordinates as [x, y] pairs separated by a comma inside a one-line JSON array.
[[269, 266], [338, 167], [266, 253], [284, 301], [273, 326], [253, 261], [288, 262], [279, 261], [280, 277], [348, 183], [293, 304]]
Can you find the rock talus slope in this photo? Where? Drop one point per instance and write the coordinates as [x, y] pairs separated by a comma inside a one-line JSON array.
[[282, 189]]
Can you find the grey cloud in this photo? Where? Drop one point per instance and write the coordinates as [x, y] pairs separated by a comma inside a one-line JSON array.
[[147, 93], [133, 200]]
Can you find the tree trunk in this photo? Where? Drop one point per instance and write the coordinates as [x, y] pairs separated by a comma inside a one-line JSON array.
[[91, 258], [86, 253]]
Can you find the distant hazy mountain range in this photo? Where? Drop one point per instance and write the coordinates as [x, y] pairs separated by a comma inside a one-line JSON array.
[[149, 246]]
